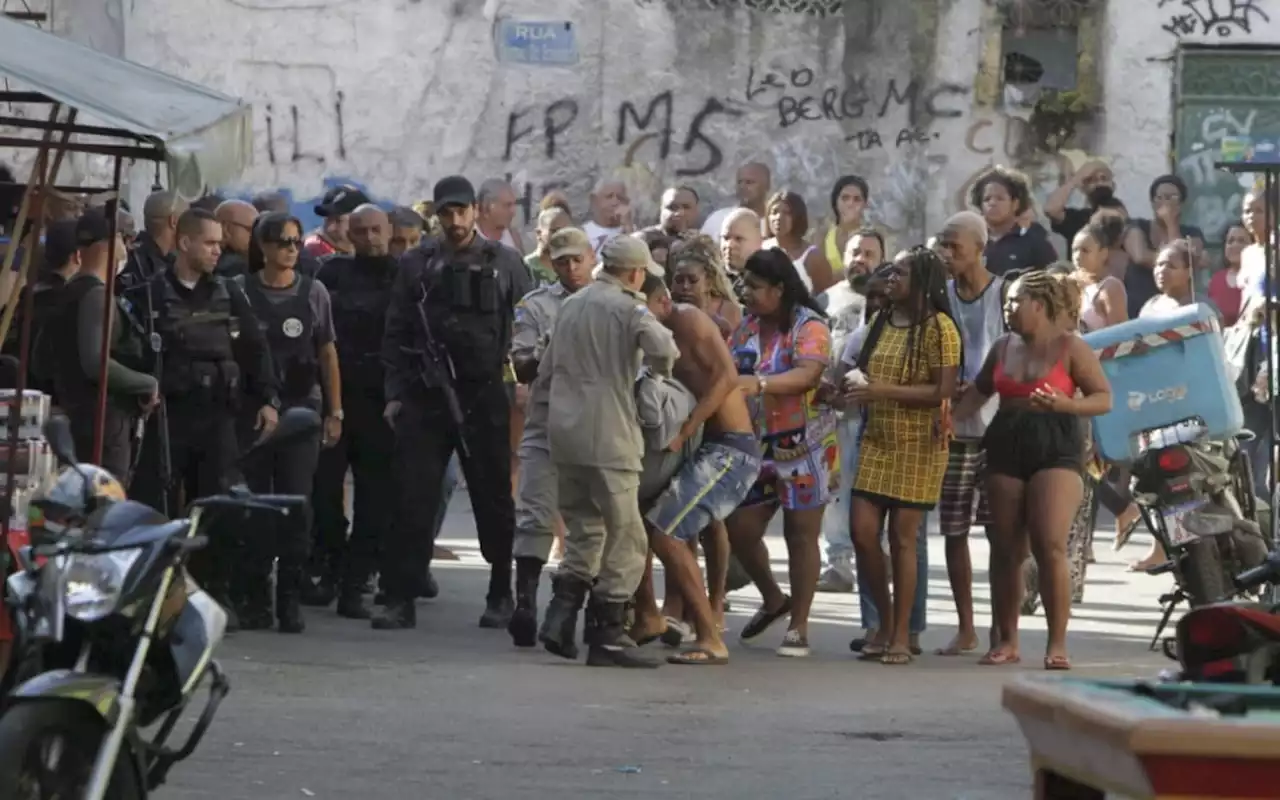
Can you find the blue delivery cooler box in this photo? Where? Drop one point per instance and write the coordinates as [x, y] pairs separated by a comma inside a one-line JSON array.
[[1164, 370]]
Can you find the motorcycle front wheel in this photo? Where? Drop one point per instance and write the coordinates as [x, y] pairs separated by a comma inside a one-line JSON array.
[[47, 749]]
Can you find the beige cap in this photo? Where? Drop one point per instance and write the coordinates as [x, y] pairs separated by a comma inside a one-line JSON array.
[[628, 252], [568, 242]]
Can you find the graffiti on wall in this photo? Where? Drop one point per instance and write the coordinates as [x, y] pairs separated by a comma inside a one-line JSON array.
[[1212, 209], [650, 126], [798, 96], [1220, 18]]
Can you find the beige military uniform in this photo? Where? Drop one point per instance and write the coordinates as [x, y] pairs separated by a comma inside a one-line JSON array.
[[535, 315], [601, 336]]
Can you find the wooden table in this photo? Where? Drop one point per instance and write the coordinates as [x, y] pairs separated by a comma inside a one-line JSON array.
[[1089, 738]]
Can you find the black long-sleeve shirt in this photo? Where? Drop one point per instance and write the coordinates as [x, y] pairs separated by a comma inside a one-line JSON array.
[[402, 332]]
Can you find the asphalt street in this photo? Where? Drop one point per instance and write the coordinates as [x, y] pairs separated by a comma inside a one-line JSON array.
[[452, 711]]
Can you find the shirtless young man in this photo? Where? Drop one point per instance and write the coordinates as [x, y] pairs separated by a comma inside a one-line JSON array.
[[710, 485]]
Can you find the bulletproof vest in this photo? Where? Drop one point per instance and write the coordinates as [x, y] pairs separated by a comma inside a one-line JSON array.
[[198, 343], [73, 388], [360, 297], [288, 326], [466, 312]]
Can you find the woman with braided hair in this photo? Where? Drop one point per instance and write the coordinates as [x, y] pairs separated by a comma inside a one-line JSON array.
[[698, 277], [1047, 378], [781, 349], [905, 377]]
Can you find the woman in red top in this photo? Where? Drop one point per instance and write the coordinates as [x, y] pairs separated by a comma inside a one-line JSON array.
[[1047, 379], [1224, 286]]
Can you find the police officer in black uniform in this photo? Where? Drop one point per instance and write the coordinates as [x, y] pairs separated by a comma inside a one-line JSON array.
[[296, 317], [77, 330], [360, 291], [467, 288], [153, 248], [211, 351]]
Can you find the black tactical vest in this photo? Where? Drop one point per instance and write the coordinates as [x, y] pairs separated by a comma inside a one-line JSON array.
[[198, 343], [465, 310], [288, 326], [360, 294], [74, 389]]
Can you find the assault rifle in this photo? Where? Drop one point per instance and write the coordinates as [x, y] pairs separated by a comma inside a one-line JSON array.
[[437, 361]]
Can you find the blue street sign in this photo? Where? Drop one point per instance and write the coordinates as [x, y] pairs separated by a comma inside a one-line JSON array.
[[548, 43]]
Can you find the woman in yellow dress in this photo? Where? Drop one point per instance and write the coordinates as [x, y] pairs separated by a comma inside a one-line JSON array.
[[910, 360]]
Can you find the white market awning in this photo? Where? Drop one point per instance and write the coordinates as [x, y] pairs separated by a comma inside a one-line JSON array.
[[203, 136]]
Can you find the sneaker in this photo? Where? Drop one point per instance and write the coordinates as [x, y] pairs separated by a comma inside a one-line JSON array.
[[834, 580], [794, 645]]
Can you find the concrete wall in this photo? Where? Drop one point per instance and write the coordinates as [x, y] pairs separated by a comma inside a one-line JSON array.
[[393, 94]]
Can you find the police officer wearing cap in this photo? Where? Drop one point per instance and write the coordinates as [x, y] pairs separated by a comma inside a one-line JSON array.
[[572, 258], [335, 212], [360, 292], [77, 327], [465, 289], [211, 355]]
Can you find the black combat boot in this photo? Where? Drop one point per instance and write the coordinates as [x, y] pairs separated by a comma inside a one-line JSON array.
[[559, 631], [351, 603], [397, 615], [255, 605], [318, 590], [608, 642], [524, 622], [289, 583]]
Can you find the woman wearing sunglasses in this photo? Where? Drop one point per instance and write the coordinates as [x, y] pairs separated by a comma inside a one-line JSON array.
[[294, 313]]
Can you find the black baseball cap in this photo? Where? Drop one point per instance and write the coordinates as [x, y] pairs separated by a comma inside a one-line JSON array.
[[92, 227], [59, 243], [454, 190], [341, 200]]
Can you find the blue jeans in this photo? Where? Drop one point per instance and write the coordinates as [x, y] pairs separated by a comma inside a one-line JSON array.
[[871, 617], [835, 520], [446, 495]]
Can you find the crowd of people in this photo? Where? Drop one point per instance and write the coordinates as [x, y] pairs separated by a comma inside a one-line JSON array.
[[614, 393]]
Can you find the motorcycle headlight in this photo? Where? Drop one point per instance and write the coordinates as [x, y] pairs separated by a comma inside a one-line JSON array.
[[93, 583]]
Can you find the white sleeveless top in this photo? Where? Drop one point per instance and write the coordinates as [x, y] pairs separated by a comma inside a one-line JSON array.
[[799, 262], [1091, 318]]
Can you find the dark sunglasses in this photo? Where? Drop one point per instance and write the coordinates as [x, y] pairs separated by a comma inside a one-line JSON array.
[[293, 243]]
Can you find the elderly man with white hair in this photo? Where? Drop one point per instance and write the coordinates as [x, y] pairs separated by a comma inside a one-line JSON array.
[[977, 306]]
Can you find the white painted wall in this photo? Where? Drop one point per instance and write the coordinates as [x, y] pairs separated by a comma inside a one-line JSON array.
[[421, 94], [1142, 41]]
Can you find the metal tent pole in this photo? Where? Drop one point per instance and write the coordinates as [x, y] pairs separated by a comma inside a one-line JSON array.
[[104, 355]]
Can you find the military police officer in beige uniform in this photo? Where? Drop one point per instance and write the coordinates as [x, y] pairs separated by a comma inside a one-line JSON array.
[[601, 336], [572, 258]]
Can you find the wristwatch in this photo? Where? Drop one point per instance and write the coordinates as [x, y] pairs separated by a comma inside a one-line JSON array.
[[763, 384], [337, 414]]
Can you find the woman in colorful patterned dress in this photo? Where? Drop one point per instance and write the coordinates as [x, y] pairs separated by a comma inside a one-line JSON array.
[[910, 359], [781, 348]]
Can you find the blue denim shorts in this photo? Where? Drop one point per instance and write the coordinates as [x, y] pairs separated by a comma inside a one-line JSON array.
[[707, 488]]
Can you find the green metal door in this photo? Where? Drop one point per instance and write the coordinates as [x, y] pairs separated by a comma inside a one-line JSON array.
[[1220, 92]]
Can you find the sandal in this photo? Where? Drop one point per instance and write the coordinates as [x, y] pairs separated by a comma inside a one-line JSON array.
[[676, 633], [1000, 658], [763, 620], [697, 657], [1122, 537], [896, 659], [1057, 663], [872, 652]]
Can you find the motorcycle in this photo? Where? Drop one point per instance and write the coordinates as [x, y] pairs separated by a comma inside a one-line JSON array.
[[120, 638], [1196, 497], [1231, 642]]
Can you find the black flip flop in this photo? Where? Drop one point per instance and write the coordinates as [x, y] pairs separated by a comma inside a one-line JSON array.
[[763, 620], [708, 659]]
